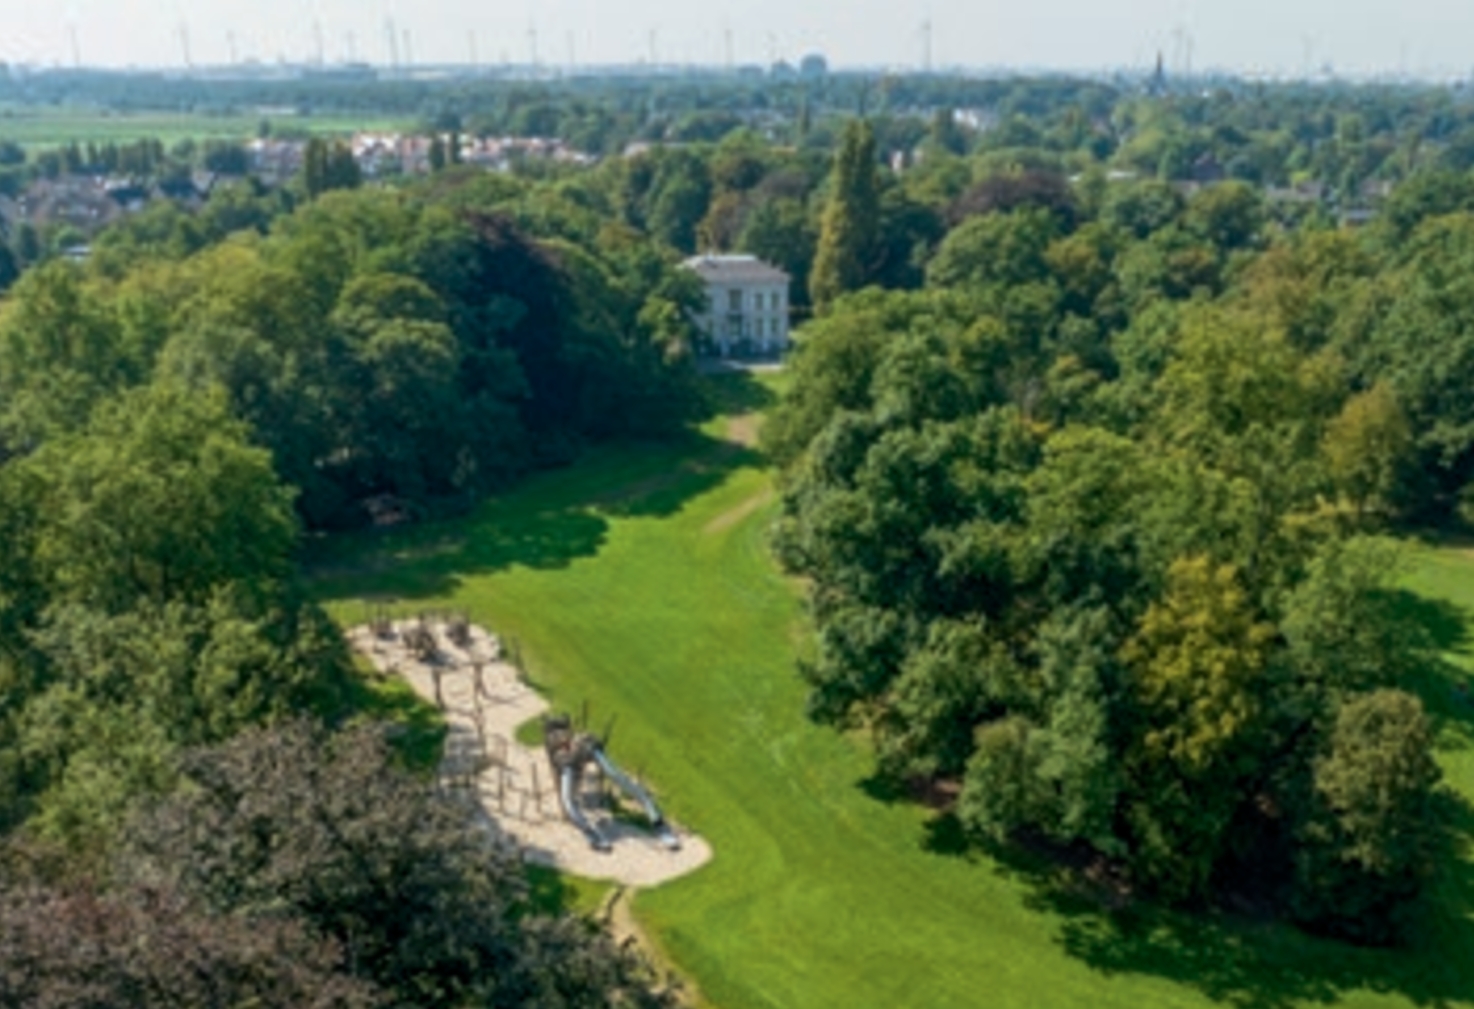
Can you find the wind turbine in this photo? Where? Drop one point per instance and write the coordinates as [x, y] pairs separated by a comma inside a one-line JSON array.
[[184, 44]]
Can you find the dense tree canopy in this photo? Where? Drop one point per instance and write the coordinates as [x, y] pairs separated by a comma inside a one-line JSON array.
[[1085, 524]]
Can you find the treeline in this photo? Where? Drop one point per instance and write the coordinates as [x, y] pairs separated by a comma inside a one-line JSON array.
[[1090, 523]]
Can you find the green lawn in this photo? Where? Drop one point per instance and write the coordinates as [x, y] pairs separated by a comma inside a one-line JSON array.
[[638, 582]]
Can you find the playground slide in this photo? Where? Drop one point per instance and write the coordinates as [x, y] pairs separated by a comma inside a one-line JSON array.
[[575, 814], [662, 829]]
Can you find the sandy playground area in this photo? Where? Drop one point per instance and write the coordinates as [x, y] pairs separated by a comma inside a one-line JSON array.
[[484, 701]]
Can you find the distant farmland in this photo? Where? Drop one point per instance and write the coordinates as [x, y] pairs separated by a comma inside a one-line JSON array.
[[31, 126]]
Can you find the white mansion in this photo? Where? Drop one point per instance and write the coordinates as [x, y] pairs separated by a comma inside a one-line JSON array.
[[746, 305]]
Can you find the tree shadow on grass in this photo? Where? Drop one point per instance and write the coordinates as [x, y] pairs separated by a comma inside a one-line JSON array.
[[546, 523], [1229, 958], [1441, 631], [732, 393], [548, 892], [1242, 961], [1443, 624]]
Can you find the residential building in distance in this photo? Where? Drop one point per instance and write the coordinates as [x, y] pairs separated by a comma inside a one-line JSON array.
[[746, 312]]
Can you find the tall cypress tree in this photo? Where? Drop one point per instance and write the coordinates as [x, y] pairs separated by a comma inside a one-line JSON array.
[[847, 240], [315, 168]]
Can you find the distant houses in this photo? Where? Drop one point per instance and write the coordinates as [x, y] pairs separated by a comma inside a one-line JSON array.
[[89, 200], [746, 310], [382, 154]]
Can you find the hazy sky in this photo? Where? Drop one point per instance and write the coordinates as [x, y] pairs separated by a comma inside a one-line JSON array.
[[1283, 36]]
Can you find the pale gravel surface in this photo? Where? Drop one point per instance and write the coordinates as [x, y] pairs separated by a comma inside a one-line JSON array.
[[512, 783]]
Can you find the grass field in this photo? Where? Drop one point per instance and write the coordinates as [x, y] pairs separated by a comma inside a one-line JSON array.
[[638, 582], [31, 126]]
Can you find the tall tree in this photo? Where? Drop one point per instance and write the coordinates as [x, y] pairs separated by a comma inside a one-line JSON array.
[[1196, 663], [314, 167], [849, 233]]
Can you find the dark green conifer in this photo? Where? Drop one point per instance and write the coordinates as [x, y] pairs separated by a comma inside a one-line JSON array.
[[847, 239]]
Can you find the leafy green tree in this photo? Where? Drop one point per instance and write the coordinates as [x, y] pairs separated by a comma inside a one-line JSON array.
[[944, 691], [123, 692], [1004, 249], [412, 411], [1367, 446], [22, 598], [1003, 792], [1170, 263], [1197, 663], [1372, 836], [1228, 214], [1074, 753], [780, 232], [848, 233], [1062, 777], [160, 498], [1142, 208], [1425, 196], [835, 365], [1242, 399], [1081, 264], [59, 353], [906, 236], [1414, 332], [1346, 627], [153, 607]]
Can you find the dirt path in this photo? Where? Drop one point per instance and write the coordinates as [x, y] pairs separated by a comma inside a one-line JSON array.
[[485, 701], [743, 429], [732, 516]]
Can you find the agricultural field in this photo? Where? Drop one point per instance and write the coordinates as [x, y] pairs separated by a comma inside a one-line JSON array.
[[638, 582], [32, 126]]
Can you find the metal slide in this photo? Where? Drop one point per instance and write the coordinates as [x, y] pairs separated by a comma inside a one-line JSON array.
[[663, 832], [576, 815]]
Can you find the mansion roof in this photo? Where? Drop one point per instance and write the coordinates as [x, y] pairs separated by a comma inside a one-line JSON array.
[[735, 270]]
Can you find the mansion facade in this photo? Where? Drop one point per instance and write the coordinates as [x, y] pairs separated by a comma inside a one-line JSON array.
[[746, 311]]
